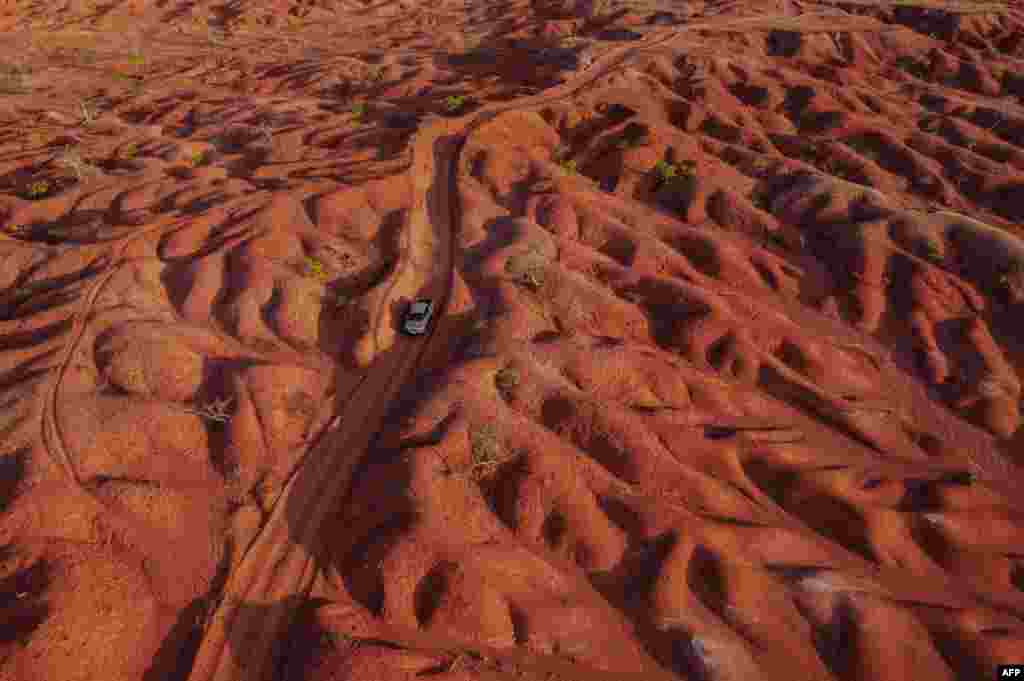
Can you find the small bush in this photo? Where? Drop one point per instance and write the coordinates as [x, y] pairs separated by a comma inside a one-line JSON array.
[[335, 639], [38, 189], [931, 251], [962, 478], [314, 269], [454, 102], [1011, 279], [528, 268], [761, 200], [217, 410], [358, 112], [12, 79], [506, 380], [88, 114], [73, 160], [864, 146], [777, 239], [633, 135], [197, 158], [485, 449], [913, 67], [667, 173], [568, 166]]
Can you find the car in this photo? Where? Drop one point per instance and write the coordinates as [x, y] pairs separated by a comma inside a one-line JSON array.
[[417, 317]]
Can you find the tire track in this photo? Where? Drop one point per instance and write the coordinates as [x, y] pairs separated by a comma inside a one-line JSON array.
[[272, 565], [263, 594]]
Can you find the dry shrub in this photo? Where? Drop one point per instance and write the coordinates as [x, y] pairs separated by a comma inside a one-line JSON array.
[[506, 380], [529, 267], [486, 450]]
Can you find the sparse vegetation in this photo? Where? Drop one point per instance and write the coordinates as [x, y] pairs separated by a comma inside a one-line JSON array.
[[130, 151], [506, 380], [88, 114], [454, 102], [962, 478], [217, 410], [528, 268], [776, 238], [931, 250], [761, 200], [568, 165], [38, 189], [73, 160], [13, 79], [335, 639], [665, 171], [314, 269], [633, 135], [1011, 282], [197, 158], [486, 450], [668, 173], [913, 67], [358, 112], [864, 147], [134, 83]]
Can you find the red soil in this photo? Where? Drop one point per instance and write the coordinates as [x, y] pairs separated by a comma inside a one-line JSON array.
[[727, 383]]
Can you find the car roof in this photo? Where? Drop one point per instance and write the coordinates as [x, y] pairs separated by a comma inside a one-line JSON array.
[[421, 305]]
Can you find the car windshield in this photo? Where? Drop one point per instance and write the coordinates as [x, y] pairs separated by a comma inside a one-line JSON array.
[[419, 309]]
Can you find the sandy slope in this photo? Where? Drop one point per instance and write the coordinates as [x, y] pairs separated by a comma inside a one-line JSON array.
[[727, 383]]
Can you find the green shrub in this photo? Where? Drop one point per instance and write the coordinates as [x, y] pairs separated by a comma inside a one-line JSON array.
[[454, 102], [314, 269], [38, 189], [358, 112], [506, 380], [667, 173]]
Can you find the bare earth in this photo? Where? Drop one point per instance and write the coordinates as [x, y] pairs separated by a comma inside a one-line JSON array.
[[726, 381]]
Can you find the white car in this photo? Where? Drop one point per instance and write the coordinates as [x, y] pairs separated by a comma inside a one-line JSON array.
[[417, 318]]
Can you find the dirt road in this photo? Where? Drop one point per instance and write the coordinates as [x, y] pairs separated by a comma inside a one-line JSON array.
[[278, 570]]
